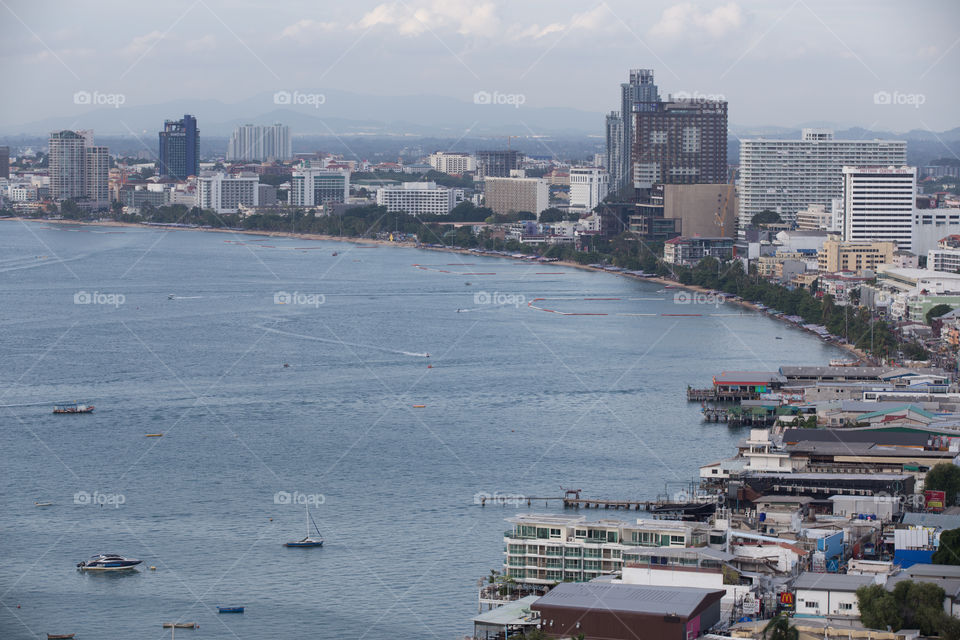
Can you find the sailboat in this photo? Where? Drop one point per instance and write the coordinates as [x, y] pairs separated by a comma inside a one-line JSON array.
[[309, 540]]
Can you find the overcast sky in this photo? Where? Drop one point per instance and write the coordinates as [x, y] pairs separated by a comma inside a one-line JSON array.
[[776, 62]]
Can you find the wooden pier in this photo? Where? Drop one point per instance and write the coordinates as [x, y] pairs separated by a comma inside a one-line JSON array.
[[573, 500], [716, 395]]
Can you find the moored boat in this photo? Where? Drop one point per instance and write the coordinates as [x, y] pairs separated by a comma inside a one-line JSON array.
[[108, 562], [309, 540], [180, 625], [60, 636], [73, 408], [230, 609]]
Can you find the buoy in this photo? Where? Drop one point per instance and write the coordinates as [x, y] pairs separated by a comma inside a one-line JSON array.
[[429, 366], [419, 406]]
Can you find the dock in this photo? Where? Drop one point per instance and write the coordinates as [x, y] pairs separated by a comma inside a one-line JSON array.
[[572, 499]]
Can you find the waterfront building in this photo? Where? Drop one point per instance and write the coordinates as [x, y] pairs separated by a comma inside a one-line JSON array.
[[79, 170], [452, 163], [638, 94], [702, 209], [4, 162], [259, 142], [685, 250], [180, 148], [497, 163], [227, 193], [679, 142], [854, 256], [419, 198], [588, 187], [548, 549], [878, 203], [786, 176], [513, 195], [613, 158], [314, 186]]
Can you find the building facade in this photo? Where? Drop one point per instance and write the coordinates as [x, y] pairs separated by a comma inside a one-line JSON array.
[[180, 148], [638, 94], [686, 250], [703, 209], [225, 193], [4, 162], [513, 195], [419, 198], [613, 158], [786, 176], [679, 142], [878, 204], [498, 163], [79, 170], [313, 186], [855, 255], [452, 163], [816, 217], [257, 142], [588, 187]]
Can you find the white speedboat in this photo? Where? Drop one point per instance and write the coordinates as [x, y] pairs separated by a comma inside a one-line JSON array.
[[108, 562]]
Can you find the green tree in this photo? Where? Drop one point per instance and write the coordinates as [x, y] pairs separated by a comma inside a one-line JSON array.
[[920, 604], [765, 217], [944, 477], [878, 608], [949, 550], [937, 311], [780, 628]]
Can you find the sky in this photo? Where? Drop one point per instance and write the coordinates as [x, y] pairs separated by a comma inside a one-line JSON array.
[[882, 64]]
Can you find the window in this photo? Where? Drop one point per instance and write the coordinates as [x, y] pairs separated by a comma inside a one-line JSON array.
[[554, 533], [811, 604], [846, 606]]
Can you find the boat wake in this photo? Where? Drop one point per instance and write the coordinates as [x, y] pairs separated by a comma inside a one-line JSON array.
[[412, 354]]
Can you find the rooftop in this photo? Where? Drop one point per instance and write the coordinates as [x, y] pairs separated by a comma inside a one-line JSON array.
[[831, 581], [510, 614], [680, 601], [938, 520]]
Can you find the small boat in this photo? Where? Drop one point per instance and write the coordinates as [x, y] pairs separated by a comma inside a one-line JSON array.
[[154, 435], [60, 636], [308, 540], [230, 609], [334, 254], [73, 408], [171, 296], [108, 562], [43, 504], [779, 338], [180, 625]]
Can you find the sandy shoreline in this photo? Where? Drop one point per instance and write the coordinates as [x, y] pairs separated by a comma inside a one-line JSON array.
[[666, 282]]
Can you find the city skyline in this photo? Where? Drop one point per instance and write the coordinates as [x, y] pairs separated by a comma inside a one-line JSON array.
[[777, 65]]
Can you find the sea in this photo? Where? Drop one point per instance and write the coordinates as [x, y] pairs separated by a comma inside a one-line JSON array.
[[386, 389]]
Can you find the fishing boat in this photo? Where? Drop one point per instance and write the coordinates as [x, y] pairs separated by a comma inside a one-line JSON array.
[[230, 609], [308, 540], [73, 408], [180, 625], [60, 636], [108, 562], [43, 504]]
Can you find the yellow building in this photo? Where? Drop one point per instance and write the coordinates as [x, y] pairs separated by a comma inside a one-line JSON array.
[[856, 255]]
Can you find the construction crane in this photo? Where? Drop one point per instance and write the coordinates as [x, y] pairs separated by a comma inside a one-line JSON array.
[[720, 214]]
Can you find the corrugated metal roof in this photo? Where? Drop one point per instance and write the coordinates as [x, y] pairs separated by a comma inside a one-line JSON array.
[[831, 581], [681, 601], [938, 520]]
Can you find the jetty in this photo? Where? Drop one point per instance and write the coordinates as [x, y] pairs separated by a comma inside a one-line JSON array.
[[572, 499]]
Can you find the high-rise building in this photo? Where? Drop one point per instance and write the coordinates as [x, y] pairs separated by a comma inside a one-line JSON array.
[[419, 198], [514, 195], [314, 186], [4, 162], [878, 204], [258, 142], [786, 176], [79, 171], [637, 95], [180, 148], [679, 142], [225, 193], [614, 155], [498, 163], [588, 187], [452, 163]]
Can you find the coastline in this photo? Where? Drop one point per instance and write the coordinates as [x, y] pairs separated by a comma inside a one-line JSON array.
[[666, 282]]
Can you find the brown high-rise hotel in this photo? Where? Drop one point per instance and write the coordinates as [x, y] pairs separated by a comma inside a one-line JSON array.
[[679, 142]]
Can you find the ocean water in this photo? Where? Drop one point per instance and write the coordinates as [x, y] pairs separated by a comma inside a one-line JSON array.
[[518, 401]]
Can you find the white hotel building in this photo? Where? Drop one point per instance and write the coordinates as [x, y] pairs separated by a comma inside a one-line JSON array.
[[419, 198], [878, 204], [453, 163], [588, 187], [225, 193], [787, 176], [256, 142]]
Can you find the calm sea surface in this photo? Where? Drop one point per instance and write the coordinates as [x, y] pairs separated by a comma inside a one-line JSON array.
[[517, 401]]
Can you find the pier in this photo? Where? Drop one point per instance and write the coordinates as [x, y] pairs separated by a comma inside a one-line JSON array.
[[667, 509]]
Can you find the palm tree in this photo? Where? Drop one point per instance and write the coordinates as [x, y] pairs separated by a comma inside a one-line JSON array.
[[780, 628]]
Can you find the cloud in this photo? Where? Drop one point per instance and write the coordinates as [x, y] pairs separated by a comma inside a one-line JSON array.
[[141, 44], [306, 30], [688, 21], [465, 18]]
